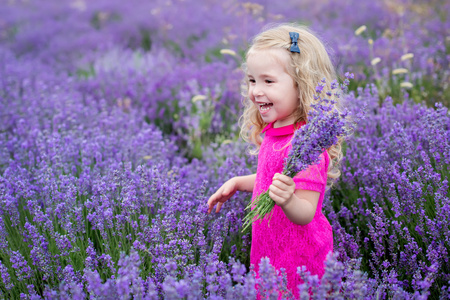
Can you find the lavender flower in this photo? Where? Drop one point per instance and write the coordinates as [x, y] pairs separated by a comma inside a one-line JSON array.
[[6, 278], [105, 146], [22, 270]]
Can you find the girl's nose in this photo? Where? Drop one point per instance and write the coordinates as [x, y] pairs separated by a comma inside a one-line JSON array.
[[257, 91]]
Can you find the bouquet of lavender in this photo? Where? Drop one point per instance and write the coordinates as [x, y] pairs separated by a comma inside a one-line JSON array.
[[325, 125]]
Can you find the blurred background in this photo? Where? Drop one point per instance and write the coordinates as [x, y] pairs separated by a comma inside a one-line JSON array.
[[119, 118]]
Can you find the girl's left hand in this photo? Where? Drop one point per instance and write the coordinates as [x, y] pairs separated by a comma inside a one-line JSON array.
[[282, 189]]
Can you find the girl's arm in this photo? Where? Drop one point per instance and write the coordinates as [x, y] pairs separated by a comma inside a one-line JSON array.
[[229, 188], [301, 208], [246, 183], [298, 205]]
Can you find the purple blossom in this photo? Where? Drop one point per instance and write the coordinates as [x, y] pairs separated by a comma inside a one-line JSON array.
[[6, 278], [102, 149], [20, 266]]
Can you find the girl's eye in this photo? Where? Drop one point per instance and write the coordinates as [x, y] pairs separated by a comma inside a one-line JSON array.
[[269, 81], [251, 80]]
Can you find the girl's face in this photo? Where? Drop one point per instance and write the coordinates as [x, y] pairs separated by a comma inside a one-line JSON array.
[[271, 88]]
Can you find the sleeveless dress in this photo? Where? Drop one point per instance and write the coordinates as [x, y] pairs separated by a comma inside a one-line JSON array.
[[286, 244]]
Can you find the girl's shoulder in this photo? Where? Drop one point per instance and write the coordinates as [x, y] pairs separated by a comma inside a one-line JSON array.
[[315, 176]]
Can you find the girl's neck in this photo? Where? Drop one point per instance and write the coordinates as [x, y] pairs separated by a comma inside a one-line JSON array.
[[285, 122]]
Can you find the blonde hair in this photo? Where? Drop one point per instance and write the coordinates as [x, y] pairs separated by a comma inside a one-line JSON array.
[[306, 69]]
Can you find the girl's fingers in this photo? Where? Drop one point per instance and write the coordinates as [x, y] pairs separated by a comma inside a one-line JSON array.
[[279, 200], [212, 201], [210, 205], [283, 186], [279, 184], [274, 197], [217, 198], [283, 178], [274, 189], [229, 190], [277, 191], [219, 192], [226, 191], [223, 196], [220, 197], [281, 193]]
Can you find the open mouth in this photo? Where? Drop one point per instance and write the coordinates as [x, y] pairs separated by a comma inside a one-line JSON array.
[[264, 107]]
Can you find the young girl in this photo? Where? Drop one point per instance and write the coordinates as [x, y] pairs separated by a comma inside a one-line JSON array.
[[283, 66]]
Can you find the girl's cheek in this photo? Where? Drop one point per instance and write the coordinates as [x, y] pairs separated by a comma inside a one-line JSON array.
[[250, 94]]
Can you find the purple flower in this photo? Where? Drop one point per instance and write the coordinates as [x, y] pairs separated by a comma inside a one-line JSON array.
[[18, 262], [6, 278]]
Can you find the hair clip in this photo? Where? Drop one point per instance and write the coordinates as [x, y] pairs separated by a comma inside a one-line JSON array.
[[294, 37]]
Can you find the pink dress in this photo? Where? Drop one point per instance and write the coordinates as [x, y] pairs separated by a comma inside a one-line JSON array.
[[289, 245]]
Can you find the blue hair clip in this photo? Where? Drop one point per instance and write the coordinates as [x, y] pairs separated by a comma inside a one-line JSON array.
[[294, 38]]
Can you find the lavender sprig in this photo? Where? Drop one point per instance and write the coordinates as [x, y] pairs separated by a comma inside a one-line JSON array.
[[325, 125]]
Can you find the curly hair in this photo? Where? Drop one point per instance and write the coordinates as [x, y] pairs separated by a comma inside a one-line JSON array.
[[306, 69]]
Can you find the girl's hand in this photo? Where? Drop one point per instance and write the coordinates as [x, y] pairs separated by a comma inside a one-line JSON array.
[[224, 193], [282, 189]]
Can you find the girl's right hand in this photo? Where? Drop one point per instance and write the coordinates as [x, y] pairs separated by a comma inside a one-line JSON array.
[[224, 193]]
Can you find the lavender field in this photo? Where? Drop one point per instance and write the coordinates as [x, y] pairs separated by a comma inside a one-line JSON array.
[[118, 119]]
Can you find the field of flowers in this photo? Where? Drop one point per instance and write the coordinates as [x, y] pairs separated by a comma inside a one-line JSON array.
[[118, 119]]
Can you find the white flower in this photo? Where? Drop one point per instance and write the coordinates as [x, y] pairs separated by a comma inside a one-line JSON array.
[[406, 85], [399, 71], [227, 52], [375, 61], [360, 30], [198, 98], [407, 56]]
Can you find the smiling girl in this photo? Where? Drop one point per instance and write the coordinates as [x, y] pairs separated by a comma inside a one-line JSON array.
[[283, 66]]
